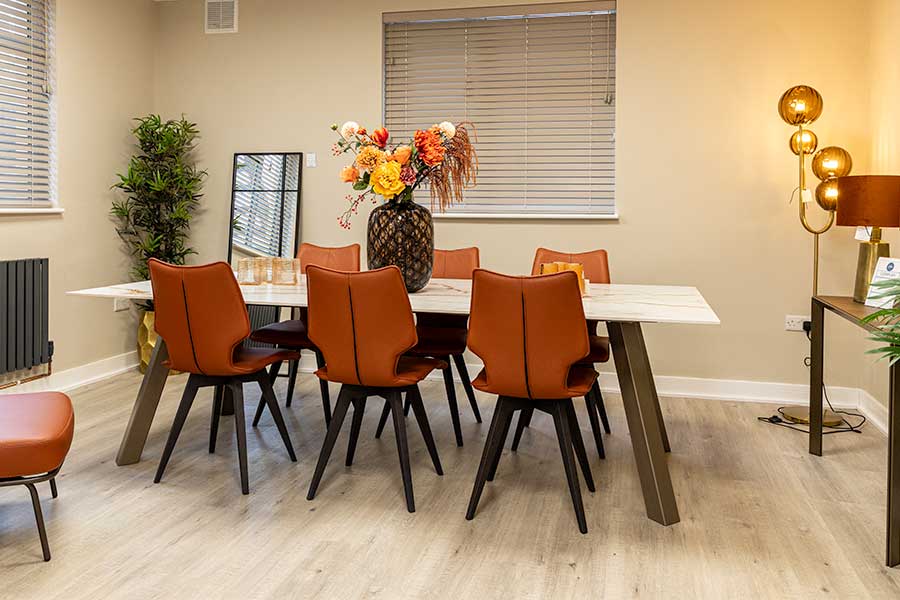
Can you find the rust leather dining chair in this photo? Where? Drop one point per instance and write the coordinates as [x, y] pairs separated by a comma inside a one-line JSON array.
[[35, 435], [596, 270], [291, 334], [530, 334], [363, 324], [201, 315], [443, 336]]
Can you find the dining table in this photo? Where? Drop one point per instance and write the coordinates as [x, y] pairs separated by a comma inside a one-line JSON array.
[[625, 308]]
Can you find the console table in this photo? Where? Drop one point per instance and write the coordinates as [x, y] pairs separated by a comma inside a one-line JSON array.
[[846, 307]]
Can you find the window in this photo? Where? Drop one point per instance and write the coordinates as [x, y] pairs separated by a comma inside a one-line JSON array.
[[264, 210], [27, 170], [537, 81]]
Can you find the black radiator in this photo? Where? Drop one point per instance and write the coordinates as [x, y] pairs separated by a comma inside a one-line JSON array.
[[24, 317]]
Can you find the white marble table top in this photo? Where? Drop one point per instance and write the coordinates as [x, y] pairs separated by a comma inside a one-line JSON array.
[[603, 302]]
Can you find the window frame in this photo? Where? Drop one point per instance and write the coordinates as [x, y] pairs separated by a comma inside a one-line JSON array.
[[514, 11], [52, 206]]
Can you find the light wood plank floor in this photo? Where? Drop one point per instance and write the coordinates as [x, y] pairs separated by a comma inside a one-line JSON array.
[[759, 516]]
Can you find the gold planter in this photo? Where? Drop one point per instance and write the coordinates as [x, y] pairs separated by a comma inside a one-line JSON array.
[[146, 338]]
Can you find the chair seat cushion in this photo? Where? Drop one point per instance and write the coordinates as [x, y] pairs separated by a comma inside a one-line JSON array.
[[35, 432], [599, 350], [580, 380], [439, 341], [287, 334], [410, 370], [250, 360]]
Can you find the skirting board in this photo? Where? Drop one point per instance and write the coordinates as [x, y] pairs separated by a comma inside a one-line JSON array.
[[732, 390], [64, 381]]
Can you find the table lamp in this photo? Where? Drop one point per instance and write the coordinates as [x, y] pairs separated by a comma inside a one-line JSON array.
[[871, 201]]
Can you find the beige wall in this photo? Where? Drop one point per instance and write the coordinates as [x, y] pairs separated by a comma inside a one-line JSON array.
[[703, 173], [104, 55]]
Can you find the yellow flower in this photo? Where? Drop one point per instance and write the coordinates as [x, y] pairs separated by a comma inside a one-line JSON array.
[[369, 157], [385, 179]]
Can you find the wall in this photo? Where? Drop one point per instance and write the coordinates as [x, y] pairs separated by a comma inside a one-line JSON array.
[[703, 169], [104, 56]]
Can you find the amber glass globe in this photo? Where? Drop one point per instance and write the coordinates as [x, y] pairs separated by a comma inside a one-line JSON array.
[[827, 194], [808, 143], [831, 161], [800, 105]]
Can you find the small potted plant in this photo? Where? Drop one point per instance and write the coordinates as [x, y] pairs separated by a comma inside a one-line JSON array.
[[161, 194]]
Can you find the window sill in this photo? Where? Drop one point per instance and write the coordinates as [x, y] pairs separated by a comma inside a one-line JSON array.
[[526, 217], [51, 210]]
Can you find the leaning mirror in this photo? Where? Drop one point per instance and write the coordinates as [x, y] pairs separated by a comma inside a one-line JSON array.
[[265, 206]]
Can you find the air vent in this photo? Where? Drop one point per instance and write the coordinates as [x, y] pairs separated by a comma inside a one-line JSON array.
[[221, 16]]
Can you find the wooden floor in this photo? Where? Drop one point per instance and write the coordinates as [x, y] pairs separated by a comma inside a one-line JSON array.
[[759, 516]]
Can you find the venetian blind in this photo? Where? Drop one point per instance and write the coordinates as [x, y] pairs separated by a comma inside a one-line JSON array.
[[26, 119], [537, 82]]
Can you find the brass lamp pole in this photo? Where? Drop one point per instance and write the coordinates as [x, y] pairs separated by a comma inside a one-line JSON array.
[[801, 105]]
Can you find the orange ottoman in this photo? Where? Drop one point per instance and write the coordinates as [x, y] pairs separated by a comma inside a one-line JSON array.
[[35, 435]]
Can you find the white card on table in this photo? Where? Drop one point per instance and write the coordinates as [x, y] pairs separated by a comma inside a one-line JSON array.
[[887, 268]]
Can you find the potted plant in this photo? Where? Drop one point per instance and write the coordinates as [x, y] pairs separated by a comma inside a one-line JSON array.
[[401, 231], [161, 194]]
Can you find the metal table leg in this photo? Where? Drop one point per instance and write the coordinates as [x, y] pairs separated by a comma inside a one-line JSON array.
[[815, 377], [144, 407], [644, 420], [892, 557]]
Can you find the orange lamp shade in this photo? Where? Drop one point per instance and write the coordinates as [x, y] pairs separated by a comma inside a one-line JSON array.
[[868, 200]]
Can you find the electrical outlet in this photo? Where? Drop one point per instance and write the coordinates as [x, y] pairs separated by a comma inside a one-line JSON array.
[[311, 160], [120, 304], [794, 322]]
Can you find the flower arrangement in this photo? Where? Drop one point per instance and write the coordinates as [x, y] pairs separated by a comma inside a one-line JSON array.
[[442, 156]]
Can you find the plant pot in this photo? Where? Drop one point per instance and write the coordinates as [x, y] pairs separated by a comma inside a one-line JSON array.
[[146, 338], [402, 234]]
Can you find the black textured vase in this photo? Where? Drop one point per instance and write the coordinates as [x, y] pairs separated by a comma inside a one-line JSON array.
[[402, 234]]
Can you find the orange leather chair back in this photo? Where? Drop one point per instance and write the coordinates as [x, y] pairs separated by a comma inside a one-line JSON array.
[[455, 264], [596, 262], [528, 331], [201, 315], [343, 258], [362, 323]]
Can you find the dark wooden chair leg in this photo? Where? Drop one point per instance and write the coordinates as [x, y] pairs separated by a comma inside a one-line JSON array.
[[402, 448], [460, 362], [323, 388], [187, 399], [490, 446], [504, 432], [418, 408], [563, 432], [292, 381], [523, 422], [382, 421], [39, 518], [273, 376], [590, 401], [601, 408], [53, 491], [406, 407], [240, 429], [216, 413], [337, 420], [268, 396], [578, 445], [359, 407], [451, 400]]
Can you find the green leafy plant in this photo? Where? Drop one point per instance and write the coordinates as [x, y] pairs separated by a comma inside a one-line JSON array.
[[887, 321], [162, 192]]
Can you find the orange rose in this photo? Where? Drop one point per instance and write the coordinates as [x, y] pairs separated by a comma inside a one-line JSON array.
[[380, 137], [402, 154], [349, 174], [430, 148]]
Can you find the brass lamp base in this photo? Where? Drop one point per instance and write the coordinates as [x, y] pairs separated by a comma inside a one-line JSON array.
[[800, 415], [869, 253]]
